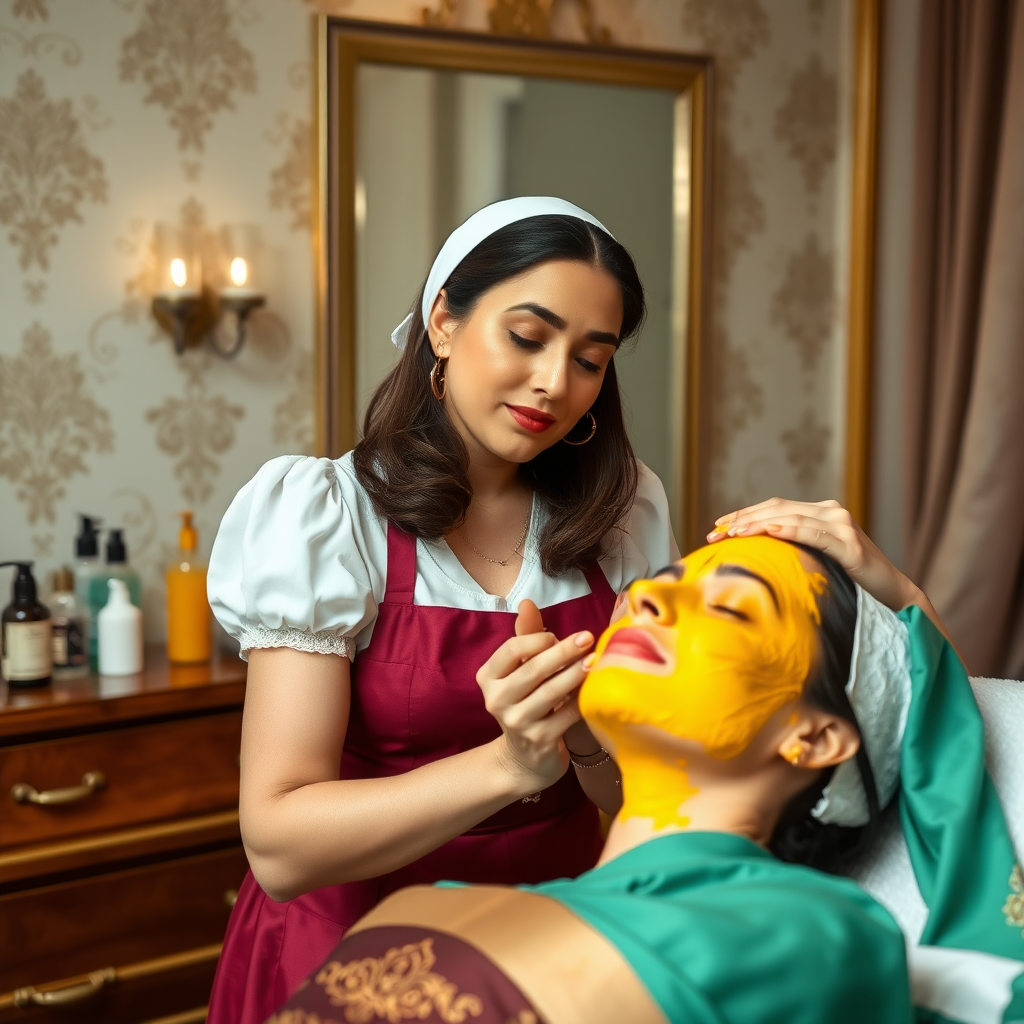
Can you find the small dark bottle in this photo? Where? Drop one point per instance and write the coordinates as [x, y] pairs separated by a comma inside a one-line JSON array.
[[27, 637]]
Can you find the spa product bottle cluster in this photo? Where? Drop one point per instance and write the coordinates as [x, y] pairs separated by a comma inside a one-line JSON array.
[[188, 608], [27, 657]]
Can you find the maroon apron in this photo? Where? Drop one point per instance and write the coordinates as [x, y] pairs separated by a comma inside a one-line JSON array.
[[415, 699]]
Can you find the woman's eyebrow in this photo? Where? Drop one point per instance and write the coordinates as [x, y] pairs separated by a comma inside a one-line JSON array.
[[552, 318], [541, 311], [739, 570], [675, 570]]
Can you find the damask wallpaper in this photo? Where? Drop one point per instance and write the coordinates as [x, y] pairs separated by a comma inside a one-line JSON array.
[[116, 114]]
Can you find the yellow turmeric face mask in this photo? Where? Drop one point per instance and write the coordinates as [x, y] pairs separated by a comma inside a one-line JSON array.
[[707, 652]]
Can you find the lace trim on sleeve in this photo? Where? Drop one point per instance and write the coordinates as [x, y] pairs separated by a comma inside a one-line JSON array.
[[297, 639]]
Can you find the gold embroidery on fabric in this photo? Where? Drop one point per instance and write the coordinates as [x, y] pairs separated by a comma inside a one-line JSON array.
[[298, 1017], [398, 986], [1013, 908]]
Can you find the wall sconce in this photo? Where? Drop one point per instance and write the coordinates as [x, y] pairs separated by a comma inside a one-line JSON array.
[[190, 308]]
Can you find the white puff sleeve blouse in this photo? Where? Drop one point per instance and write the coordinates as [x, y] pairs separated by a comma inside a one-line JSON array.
[[300, 559]]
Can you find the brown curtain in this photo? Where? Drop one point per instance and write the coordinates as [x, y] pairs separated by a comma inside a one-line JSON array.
[[964, 427]]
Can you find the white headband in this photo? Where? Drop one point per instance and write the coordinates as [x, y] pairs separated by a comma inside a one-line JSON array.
[[465, 238], [879, 692]]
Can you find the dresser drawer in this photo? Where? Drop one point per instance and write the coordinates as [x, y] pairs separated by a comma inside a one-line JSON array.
[[109, 920], [105, 780], [173, 988]]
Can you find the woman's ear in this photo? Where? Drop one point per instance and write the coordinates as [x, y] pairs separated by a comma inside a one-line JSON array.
[[819, 740], [441, 326]]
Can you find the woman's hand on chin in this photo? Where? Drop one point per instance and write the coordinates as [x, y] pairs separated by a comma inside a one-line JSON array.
[[527, 685], [828, 527]]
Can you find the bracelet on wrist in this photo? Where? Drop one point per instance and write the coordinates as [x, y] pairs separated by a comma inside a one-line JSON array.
[[587, 760]]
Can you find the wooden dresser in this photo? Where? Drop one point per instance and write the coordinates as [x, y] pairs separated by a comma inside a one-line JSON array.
[[119, 847]]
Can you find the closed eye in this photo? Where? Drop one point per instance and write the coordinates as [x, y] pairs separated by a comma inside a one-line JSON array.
[[527, 343], [589, 366], [734, 612]]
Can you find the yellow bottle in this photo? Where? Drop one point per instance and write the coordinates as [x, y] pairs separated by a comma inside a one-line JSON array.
[[188, 609]]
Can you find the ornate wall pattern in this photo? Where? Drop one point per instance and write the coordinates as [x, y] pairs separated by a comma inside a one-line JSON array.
[[806, 122], [30, 9], [290, 185], [189, 56], [46, 171], [114, 115], [777, 65], [804, 303], [49, 422], [119, 113]]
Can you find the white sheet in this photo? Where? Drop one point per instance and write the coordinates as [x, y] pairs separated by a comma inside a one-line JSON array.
[[959, 984], [887, 874]]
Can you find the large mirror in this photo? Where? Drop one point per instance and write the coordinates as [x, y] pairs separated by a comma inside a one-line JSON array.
[[419, 129]]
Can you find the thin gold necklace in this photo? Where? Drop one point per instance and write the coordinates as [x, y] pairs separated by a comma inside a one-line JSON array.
[[499, 561]]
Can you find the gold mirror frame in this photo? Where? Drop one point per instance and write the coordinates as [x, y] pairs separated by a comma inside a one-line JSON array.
[[860, 321], [345, 43], [342, 43]]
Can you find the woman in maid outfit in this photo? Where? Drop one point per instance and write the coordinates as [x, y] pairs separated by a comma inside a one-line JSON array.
[[495, 474]]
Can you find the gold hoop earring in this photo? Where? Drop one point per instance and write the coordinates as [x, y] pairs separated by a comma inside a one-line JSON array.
[[439, 379], [593, 431]]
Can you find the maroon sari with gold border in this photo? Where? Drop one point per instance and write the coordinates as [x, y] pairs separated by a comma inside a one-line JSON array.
[[486, 954]]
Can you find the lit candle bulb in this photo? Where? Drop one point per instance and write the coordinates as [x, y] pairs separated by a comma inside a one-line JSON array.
[[238, 271], [178, 274]]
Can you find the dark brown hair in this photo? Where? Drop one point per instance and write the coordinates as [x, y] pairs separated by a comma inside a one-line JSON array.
[[799, 837], [411, 459]]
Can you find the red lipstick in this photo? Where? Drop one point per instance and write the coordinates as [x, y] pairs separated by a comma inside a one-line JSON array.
[[531, 419], [631, 642]]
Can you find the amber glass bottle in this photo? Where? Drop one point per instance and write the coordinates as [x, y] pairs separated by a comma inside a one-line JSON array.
[[188, 609], [27, 639]]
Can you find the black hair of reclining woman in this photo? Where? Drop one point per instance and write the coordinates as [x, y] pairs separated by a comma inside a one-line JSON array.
[[722, 694]]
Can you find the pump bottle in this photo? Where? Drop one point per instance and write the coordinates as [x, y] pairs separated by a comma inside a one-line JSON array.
[[87, 556], [188, 609], [120, 633], [27, 639], [117, 568]]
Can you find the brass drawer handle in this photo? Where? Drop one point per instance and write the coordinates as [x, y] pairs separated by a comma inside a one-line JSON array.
[[69, 994], [196, 1016], [23, 793]]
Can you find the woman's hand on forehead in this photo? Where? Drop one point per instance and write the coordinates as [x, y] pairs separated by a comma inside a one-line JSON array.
[[827, 527]]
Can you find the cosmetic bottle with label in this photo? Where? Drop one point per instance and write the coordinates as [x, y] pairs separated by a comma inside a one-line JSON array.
[[120, 633], [27, 640], [116, 567], [189, 638], [70, 628]]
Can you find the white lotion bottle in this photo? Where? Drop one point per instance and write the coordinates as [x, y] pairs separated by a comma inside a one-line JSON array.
[[120, 633]]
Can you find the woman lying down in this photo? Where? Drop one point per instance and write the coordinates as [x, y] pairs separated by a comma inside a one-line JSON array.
[[762, 708]]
